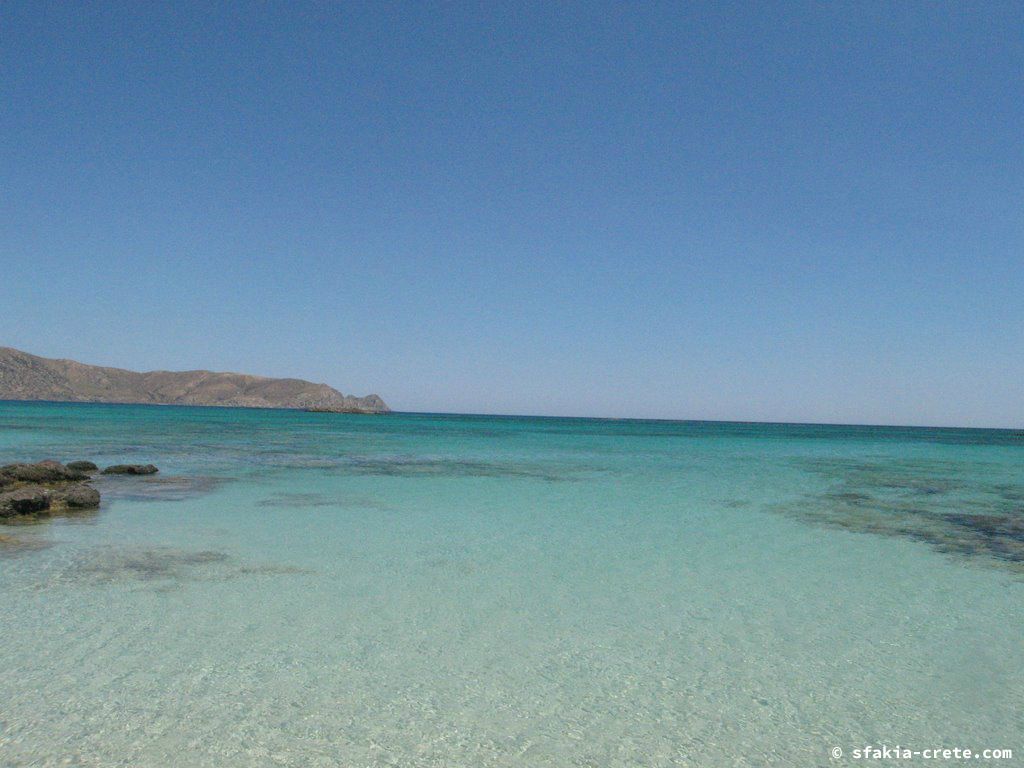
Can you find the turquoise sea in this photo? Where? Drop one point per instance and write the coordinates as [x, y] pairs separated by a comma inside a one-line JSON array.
[[300, 589]]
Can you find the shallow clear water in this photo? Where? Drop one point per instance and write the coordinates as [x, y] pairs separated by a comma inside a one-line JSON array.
[[302, 589]]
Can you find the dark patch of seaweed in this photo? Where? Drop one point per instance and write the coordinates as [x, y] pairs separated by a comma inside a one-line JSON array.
[[402, 466], [164, 566], [321, 500], [946, 505], [157, 487]]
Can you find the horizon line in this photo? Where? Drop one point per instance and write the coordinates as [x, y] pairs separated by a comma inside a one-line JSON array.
[[477, 414]]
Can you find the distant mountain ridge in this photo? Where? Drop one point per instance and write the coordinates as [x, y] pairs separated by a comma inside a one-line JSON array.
[[29, 377]]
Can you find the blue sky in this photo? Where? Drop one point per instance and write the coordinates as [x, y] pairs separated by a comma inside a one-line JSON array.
[[758, 211]]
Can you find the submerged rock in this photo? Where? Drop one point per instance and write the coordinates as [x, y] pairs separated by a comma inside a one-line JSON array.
[[158, 487], [152, 563], [130, 469], [14, 545]]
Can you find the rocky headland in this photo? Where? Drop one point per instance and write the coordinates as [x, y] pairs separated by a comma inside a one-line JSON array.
[[28, 377]]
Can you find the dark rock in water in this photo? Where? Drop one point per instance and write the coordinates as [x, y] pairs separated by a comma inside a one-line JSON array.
[[42, 472], [82, 466], [131, 469], [78, 496], [28, 500], [43, 488]]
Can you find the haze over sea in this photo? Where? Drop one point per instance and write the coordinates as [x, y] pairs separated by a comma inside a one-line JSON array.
[[298, 589]]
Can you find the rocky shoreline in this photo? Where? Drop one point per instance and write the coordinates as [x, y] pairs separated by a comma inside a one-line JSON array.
[[34, 491]]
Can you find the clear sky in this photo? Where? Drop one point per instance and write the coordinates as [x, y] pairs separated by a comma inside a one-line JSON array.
[[758, 211]]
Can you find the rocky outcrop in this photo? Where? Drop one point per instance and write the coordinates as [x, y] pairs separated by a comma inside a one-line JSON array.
[[41, 472], [46, 487], [26, 500], [81, 466], [28, 377], [130, 469], [78, 496], [368, 404]]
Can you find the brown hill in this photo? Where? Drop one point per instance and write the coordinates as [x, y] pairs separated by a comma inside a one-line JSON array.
[[28, 377]]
